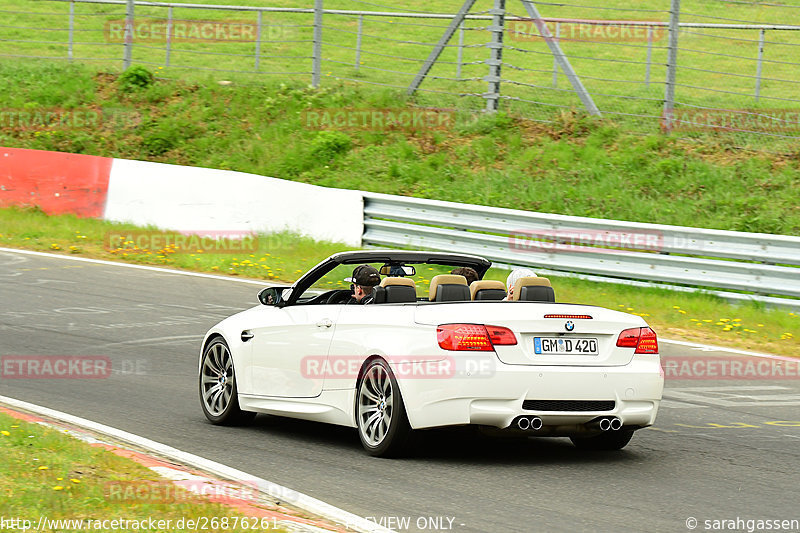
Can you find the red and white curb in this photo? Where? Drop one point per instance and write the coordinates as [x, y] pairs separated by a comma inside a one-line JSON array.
[[281, 505]]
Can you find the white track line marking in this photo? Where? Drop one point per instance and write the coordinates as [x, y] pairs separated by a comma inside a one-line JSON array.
[[710, 348], [287, 495], [263, 283]]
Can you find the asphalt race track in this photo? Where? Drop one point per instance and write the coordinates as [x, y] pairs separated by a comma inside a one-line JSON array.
[[722, 448]]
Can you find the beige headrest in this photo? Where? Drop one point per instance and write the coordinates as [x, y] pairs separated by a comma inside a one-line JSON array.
[[529, 282], [398, 281], [481, 284], [444, 279]]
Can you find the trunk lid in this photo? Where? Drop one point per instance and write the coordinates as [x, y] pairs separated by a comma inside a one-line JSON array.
[[547, 333]]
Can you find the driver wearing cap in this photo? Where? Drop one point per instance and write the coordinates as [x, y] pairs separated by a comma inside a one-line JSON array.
[[364, 279]]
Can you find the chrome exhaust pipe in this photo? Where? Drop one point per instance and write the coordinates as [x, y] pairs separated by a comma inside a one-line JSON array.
[[616, 424], [605, 424], [523, 423], [536, 423]]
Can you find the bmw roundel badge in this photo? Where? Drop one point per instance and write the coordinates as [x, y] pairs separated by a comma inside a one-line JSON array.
[[569, 326]]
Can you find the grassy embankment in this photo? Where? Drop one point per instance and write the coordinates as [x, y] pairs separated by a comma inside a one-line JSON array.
[[576, 166], [283, 257], [46, 473]]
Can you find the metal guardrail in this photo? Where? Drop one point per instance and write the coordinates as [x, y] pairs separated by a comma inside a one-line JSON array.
[[760, 266]]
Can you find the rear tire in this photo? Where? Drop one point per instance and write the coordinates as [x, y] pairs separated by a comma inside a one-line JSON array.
[[380, 412], [610, 440], [218, 393]]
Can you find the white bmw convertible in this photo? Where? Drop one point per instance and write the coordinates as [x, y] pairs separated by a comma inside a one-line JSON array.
[[430, 351]]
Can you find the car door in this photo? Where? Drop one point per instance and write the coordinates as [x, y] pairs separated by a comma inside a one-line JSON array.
[[283, 349]]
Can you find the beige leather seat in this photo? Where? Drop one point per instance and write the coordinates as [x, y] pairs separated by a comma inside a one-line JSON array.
[[448, 288], [533, 289], [487, 289], [395, 290]]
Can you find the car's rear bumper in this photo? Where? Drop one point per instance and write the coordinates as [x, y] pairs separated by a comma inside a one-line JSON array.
[[496, 398]]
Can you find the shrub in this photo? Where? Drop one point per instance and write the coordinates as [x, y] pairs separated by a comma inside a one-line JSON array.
[[134, 78]]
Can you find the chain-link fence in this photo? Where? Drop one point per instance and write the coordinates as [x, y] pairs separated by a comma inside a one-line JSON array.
[[722, 69]]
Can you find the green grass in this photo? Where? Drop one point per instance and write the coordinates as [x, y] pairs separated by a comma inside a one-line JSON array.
[[284, 257], [574, 166], [46, 473]]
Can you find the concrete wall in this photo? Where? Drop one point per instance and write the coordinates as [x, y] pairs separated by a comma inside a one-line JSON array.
[[187, 199]]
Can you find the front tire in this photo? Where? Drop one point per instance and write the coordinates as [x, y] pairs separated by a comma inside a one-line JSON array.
[[380, 412], [610, 440], [218, 393]]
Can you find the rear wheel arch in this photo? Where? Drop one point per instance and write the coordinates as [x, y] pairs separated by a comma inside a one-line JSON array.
[[380, 414]]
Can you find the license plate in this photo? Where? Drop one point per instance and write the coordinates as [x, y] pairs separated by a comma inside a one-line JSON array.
[[565, 345]]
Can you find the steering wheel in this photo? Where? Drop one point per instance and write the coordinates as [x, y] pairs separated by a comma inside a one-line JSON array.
[[339, 297]]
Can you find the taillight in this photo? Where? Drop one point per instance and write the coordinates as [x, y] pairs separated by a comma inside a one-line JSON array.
[[648, 342], [473, 337], [643, 339], [501, 336]]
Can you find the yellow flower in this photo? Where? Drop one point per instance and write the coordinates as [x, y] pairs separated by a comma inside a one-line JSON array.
[[75, 480], [706, 320], [676, 307], [681, 311], [58, 487], [6, 433], [15, 426], [42, 467], [724, 319]]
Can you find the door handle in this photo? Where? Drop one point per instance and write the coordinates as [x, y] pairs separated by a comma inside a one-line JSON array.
[[247, 335], [324, 323]]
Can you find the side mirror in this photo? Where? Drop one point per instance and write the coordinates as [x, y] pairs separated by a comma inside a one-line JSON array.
[[274, 296]]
